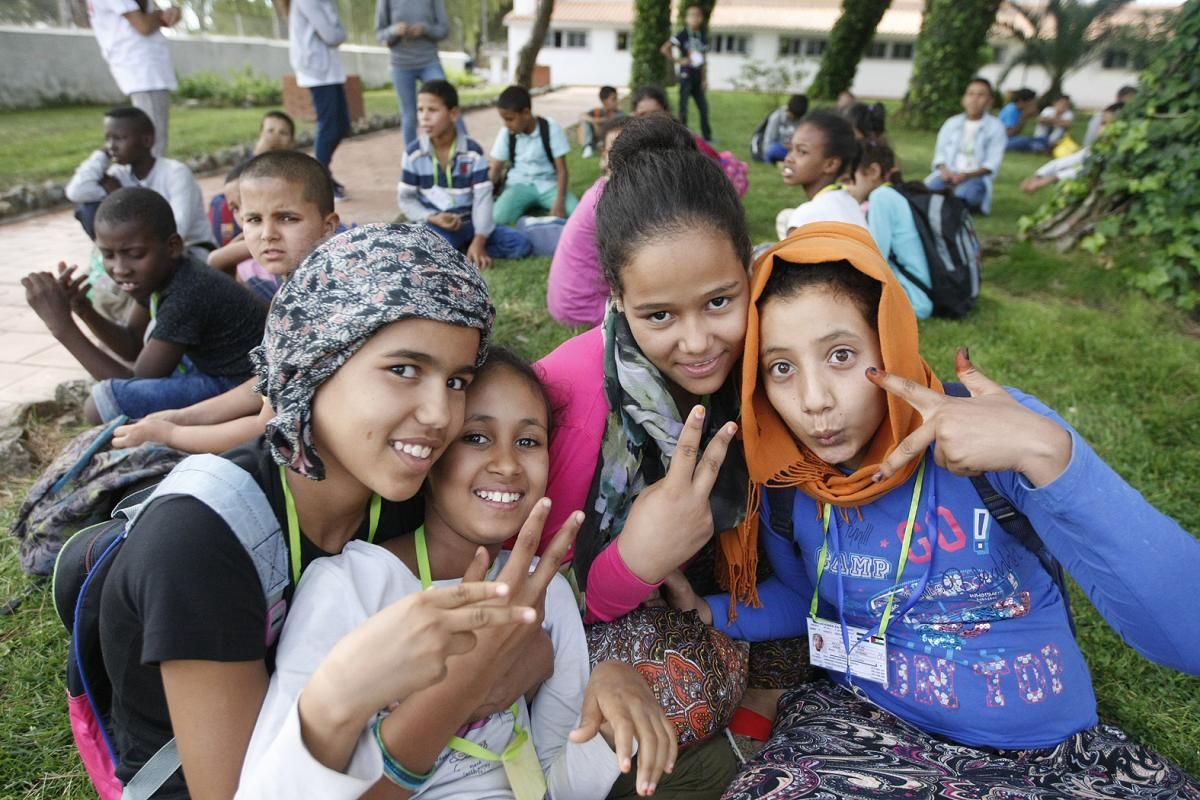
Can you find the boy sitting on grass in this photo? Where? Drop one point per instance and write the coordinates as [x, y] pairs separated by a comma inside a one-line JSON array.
[[444, 183], [533, 150], [127, 159], [286, 211], [189, 335], [592, 123]]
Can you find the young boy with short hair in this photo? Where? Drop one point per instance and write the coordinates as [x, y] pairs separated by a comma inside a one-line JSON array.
[[287, 210], [591, 123], [444, 182], [189, 335], [533, 149], [277, 131], [970, 148], [127, 159]]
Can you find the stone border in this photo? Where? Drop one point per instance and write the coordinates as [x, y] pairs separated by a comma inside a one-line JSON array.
[[34, 198]]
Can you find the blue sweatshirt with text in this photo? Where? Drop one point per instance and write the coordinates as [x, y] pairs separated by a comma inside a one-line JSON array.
[[985, 656]]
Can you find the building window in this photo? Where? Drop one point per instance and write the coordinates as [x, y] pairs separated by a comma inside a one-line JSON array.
[[790, 46], [814, 47], [877, 50], [622, 40], [1115, 59], [571, 39], [902, 51], [732, 44], [999, 53]]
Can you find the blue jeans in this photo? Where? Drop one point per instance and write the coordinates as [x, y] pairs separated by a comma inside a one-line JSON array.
[[333, 119], [775, 152], [971, 191], [405, 81], [86, 214], [138, 397], [1027, 144], [505, 242]]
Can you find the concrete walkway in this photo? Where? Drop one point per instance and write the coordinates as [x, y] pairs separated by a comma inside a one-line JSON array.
[[32, 363]]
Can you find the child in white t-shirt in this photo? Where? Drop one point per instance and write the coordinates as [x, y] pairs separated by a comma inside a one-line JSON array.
[[823, 151], [478, 494]]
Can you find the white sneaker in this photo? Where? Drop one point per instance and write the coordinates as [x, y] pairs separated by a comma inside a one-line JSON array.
[[588, 152]]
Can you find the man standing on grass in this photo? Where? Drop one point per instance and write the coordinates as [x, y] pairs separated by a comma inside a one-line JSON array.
[[130, 36]]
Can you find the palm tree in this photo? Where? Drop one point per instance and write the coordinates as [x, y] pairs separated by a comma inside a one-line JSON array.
[[1060, 36]]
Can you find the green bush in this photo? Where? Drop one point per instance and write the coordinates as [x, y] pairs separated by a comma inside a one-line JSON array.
[[240, 88], [463, 79]]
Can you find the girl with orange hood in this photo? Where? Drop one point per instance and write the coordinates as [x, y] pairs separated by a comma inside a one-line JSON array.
[[952, 664]]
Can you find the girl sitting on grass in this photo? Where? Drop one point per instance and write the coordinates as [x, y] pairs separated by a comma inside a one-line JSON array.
[[964, 679], [823, 152], [490, 479]]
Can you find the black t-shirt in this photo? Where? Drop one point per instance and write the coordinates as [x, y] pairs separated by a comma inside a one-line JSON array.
[[215, 319], [182, 587], [689, 42]]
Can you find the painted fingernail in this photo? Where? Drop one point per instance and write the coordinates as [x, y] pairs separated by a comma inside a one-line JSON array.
[[872, 371], [877, 477], [965, 352], [699, 412]]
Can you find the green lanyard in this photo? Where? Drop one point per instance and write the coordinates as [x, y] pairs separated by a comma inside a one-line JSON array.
[[294, 523], [180, 368], [908, 530], [442, 174], [466, 746], [833, 187]]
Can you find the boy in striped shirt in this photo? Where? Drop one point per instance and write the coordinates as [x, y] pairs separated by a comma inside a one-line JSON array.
[[444, 183]]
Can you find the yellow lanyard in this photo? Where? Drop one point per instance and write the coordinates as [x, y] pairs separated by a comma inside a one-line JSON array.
[[833, 187], [294, 523], [908, 530], [457, 742]]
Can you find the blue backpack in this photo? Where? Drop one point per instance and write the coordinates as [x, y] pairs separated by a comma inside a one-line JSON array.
[[83, 565], [780, 504]]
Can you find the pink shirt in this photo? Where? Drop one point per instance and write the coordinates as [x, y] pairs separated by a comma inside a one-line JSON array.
[[574, 378], [576, 292]]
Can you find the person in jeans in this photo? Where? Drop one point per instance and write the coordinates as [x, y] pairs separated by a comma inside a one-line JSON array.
[[314, 33], [411, 29]]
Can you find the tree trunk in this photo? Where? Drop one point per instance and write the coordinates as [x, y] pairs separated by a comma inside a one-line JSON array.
[[651, 27], [953, 33], [527, 58], [848, 41]]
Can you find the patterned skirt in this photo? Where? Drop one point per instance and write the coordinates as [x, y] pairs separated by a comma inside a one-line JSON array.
[[828, 743]]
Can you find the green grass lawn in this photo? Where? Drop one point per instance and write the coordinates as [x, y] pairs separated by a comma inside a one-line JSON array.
[[48, 143], [1123, 370]]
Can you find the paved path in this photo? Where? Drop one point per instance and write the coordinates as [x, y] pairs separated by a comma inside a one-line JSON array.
[[32, 363]]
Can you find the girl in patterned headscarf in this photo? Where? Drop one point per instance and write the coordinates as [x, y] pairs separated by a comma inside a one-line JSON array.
[[367, 354]]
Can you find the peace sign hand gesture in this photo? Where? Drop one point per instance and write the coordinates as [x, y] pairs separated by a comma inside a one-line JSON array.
[[986, 432], [671, 520]]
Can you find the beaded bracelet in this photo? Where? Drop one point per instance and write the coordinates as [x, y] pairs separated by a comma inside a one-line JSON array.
[[393, 769]]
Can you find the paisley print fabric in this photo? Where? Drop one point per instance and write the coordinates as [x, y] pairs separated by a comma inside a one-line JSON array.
[[698, 674], [828, 743], [346, 290]]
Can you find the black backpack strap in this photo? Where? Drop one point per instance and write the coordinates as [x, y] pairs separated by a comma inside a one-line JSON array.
[[780, 500], [512, 149], [896, 265], [544, 131], [1016, 524]]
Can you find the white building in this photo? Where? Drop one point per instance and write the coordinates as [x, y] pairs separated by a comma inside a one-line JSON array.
[[588, 43]]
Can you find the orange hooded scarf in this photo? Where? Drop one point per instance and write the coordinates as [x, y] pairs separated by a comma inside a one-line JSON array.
[[773, 455]]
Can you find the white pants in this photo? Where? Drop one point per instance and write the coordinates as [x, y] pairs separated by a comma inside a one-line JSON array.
[[157, 105]]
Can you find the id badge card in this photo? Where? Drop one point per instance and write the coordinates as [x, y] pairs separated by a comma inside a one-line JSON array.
[[867, 658], [439, 197], [523, 769]]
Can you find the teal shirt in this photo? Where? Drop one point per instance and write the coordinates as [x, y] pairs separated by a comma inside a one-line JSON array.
[[531, 166], [890, 221]]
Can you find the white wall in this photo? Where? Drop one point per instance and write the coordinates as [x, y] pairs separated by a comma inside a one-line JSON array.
[[28, 77], [600, 63]]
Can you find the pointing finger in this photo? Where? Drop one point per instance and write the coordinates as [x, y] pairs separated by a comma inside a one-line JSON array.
[[922, 398], [714, 456], [913, 446]]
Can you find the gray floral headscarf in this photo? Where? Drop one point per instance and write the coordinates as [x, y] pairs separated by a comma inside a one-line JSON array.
[[345, 291]]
